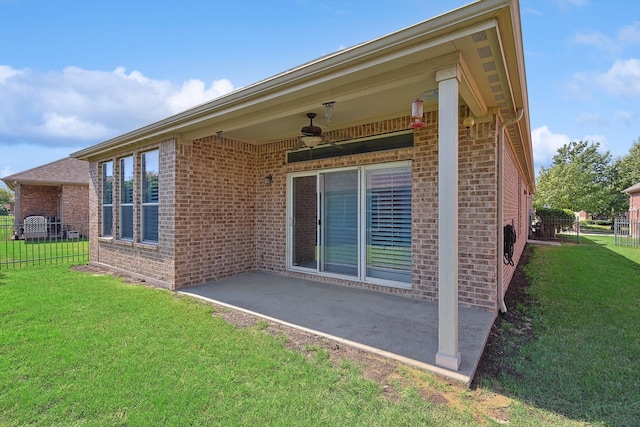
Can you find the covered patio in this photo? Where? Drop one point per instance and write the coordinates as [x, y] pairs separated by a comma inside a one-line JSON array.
[[397, 327]]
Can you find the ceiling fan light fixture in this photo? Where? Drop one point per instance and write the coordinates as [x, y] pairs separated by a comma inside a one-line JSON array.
[[311, 141]]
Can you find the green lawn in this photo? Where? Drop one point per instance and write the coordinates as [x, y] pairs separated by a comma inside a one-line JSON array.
[[585, 363], [79, 349], [82, 350], [18, 253]]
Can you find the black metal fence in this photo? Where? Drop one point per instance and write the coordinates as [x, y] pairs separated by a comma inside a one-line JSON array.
[[626, 232], [38, 242]]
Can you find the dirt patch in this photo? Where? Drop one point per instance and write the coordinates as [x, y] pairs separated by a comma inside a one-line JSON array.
[[510, 331], [101, 271]]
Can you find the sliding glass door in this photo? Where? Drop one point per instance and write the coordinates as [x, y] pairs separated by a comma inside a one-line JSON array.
[[305, 222], [389, 224], [353, 222], [339, 222]]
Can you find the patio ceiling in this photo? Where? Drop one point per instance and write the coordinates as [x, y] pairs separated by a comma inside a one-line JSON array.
[[375, 80]]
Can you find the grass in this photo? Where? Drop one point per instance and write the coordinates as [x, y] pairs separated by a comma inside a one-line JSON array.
[[82, 350], [17, 253], [585, 363], [78, 349]]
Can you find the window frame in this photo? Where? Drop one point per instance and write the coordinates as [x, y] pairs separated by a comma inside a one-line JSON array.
[[145, 205], [122, 195], [362, 224], [103, 197]]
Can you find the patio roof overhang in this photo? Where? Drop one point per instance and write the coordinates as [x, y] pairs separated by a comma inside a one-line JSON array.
[[375, 80]]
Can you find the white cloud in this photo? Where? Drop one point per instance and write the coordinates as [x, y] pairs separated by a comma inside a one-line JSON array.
[[74, 105], [601, 139], [597, 40], [626, 117], [545, 145], [592, 119], [15, 158], [622, 79], [71, 127], [630, 34], [6, 73], [193, 92]]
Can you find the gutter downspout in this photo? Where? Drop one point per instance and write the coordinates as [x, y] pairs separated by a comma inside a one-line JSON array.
[[500, 178]]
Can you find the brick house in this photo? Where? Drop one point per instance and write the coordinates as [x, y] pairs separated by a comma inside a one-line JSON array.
[[57, 191], [634, 201], [385, 201]]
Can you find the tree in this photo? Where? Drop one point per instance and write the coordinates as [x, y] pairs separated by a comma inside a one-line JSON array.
[[580, 178], [629, 167], [6, 197], [626, 172]]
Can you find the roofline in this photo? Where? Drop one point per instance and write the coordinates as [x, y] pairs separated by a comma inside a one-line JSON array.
[[633, 189], [306, 72], [11, 180]]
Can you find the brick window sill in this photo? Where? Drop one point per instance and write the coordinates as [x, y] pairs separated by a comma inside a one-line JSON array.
[[147, 246]]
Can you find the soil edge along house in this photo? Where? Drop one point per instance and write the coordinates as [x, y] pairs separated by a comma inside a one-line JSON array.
[[418, 156]]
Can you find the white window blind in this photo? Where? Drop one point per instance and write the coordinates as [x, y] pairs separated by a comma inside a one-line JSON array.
[[389, 223]]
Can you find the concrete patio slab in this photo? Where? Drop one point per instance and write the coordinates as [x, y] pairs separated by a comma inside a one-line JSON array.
[[393, 326]]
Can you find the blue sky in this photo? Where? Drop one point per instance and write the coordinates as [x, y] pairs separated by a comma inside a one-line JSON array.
[[74, 73]]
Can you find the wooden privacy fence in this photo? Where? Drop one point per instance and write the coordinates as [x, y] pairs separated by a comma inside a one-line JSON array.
[[40, 241]]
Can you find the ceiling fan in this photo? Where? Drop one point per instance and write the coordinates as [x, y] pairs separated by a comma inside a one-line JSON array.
[[312, 136]]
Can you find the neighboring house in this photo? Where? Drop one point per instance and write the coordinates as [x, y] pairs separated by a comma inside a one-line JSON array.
[[57, 192], [634, 201], [582, 215], [404, 205]]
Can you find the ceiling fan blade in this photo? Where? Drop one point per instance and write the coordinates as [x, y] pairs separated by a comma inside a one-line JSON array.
[[334, 144], [299, 146]]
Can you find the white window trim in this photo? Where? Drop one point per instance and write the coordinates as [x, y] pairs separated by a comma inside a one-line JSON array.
[[143, 204], [102, 193], [121, 204]]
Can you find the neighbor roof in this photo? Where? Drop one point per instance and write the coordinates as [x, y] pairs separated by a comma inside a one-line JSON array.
[[632, 189], [64, 171]]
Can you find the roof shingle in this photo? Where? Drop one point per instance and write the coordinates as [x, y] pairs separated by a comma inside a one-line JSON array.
[[64, 171]]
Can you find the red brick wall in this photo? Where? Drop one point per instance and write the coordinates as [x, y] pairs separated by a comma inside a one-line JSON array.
[[218, 217], [153, 261], [215, 210], [516, 209], [75, 207], [634, 207], [477, 205], [39, 200]]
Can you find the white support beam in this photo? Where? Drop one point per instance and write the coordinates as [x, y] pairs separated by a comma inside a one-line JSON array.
[[448, 80]]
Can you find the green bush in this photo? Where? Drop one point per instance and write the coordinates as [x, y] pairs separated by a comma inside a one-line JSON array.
[[549, 221], [555, 214]]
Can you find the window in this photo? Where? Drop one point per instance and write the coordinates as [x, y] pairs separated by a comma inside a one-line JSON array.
[[126, 198], [389, 224], [352, 222], [149, 216], [107, 199]]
